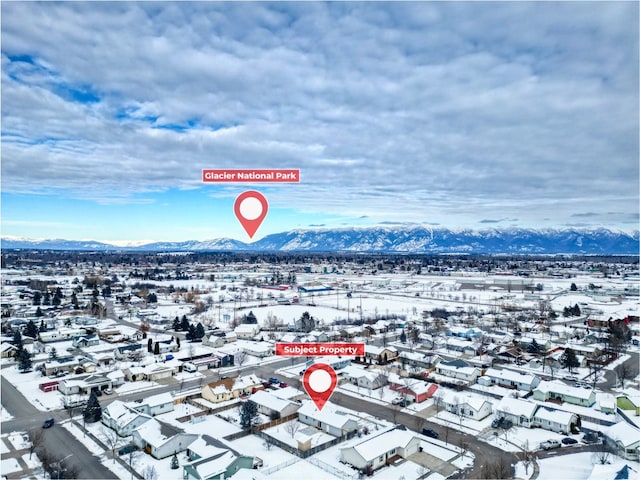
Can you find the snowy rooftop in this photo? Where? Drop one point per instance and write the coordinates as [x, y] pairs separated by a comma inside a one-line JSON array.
[[624, 433], [381, 444], [559, 387], [556, 416], [510, 375], [516, 406], [270, 401], [330, 414]]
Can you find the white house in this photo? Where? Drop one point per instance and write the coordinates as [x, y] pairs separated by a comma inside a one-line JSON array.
[[123, 419], [458, 370], [555, 420], [366, 378], [330, 419], [519, 412], [466, 404], [247, 331], [154, 405], [160, 439], [373, 453], [625, 438], [511, 379], [272, 406]]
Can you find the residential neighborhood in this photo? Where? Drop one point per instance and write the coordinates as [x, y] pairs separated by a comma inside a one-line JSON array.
[[175, 402]]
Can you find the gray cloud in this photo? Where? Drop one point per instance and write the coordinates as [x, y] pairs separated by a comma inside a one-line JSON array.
[[423, 111]]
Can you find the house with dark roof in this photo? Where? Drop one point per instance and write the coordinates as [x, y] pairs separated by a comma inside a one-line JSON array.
[[210, 459]]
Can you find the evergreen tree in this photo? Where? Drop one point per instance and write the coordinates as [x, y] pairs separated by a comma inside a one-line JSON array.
[[56, 301], [31, 330], [149, 345], [174, 462], [53, 353], [46, 300], [37, 298], [39, 312], [403, 336], [250, 319], [156, 349], [43, 326], [569, 360], [93, 411], [199, 333], [248, 412], [184, 326], [17, 339], [74, 301], [191, 333], [178, 342], [574, 287], [24, 360], [177, 326], [307, 322], [152, 298], [533, 347]]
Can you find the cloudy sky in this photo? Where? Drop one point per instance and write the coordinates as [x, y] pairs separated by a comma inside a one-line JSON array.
[[452, 114]]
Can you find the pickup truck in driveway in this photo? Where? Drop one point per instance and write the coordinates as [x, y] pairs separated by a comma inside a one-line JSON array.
[[549, 444]]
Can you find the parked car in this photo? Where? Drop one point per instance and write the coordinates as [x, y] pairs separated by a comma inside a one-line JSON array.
[[127, 449], [274, 380], [283, 385], [48, 423], [569, 441], [108, 391], [502, 423], [397, 401], [590, 437], [430, 432], [549, 444]]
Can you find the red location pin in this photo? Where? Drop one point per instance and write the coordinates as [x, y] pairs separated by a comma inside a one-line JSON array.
[[320, 381], [250, 208]]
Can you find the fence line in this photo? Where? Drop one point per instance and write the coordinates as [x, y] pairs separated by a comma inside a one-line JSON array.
[[332, 470], [270, 470]]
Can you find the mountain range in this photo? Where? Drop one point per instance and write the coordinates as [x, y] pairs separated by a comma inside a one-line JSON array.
[[520, 241]]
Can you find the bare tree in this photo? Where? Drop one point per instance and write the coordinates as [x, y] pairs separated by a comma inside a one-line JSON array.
[[527, 456], [240, 358], [268, 442], [36, 437], [110, 439], [292, 428], [149, 473], [623, 372], [380, 381], [602, 454], [497, 469]]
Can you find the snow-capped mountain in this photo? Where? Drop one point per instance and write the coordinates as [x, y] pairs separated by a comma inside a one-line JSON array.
[[391, 240]]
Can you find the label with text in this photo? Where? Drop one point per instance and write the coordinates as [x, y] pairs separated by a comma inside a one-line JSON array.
[[264, 176], [320, 349]]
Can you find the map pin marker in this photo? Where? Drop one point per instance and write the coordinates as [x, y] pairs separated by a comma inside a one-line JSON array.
[[319, 381], [250, 208]]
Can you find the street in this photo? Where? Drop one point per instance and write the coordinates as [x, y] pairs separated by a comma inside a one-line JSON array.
[[57, 440]]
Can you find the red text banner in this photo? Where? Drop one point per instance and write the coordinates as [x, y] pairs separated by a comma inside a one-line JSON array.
[[257, 176], [320, 349]]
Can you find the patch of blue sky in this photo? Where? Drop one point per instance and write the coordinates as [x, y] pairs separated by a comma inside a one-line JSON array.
[[169, 215], [79, 94]]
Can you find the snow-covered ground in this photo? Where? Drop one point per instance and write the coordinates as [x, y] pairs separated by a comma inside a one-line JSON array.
[[577, 466]]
